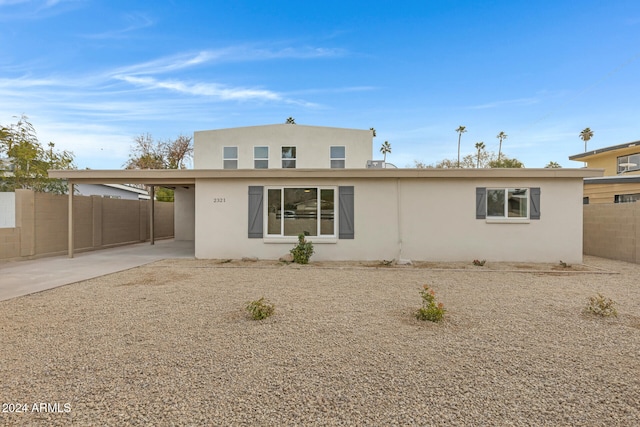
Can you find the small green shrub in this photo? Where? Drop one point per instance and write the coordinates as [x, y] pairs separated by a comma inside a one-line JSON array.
[[430, 310], [260, 309], [601, 306], [564, 264], [479, 263], [302, 251]]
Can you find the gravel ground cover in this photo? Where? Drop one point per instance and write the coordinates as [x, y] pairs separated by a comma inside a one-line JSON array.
[[169, 343]]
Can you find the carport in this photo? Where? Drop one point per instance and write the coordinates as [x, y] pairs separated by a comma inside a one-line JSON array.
[[170, 178]]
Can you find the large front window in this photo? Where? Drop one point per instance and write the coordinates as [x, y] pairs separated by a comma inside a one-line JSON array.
[[293, 211], [507, 202]]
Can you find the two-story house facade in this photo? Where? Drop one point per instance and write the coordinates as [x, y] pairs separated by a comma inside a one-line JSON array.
[[621, 180]]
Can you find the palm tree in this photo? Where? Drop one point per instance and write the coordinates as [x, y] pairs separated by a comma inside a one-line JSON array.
[[479, 146], [373, 131], [461, 129], [501, 136], [290, 121], [586, 135], [385, 148]]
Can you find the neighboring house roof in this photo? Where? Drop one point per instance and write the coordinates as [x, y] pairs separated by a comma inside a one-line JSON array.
[[624, 179], [589, 154]]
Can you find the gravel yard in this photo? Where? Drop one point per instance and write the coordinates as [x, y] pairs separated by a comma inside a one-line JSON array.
[[169, 343]]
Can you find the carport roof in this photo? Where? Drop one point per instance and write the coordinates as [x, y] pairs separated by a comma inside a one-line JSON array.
[[189, 176]]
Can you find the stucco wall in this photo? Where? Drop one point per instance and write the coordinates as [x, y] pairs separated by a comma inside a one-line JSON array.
[[312, 145], [7, 210], [185, 206], [42, 224], [409, 218]]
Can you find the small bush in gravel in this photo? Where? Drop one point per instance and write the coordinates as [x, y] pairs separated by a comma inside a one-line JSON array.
[[302, 251], [430, 310], [260, 309], [601, 306], [479, 263]]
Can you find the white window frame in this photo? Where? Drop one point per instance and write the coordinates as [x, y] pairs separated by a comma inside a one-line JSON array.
[[343, 159], [282, 238], [225, 159], [294, 159], [505, 217], [257, 159]]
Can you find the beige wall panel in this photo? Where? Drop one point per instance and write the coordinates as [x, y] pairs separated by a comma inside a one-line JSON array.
[[612, 231], [164, 220], [9, 243], [121, 221]]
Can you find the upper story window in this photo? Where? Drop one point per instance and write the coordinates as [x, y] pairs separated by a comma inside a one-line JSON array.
[[629, 163], [289, 157], [337, 157], [508, 203], [230, 157], [261, 157]]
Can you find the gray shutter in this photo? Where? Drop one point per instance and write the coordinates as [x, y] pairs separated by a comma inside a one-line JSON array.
[[345, 215], [481, 202], [535, 203], [255, 212]]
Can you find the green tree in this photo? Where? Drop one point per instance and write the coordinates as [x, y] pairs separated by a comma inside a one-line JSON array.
[[385, 148], [480, 147], [29, 161], [461, 129], [586, 135], [506, 162], [553, 165], [501, 136]]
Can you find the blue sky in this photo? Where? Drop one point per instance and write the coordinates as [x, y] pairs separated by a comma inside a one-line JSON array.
[[91, 75]]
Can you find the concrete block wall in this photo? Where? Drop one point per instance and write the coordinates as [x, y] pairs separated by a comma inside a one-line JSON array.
[[612, 231], [42, 224]]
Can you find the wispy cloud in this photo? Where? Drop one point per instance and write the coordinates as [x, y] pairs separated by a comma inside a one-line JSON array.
[[135, 22], [506, 103]]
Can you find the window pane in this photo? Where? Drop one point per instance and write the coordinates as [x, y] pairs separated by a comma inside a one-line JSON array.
[[288, 152], [337, 164], [289, 164], [231, 164], [230, 152], [495, 203], [300, 211], [327, 221], [337, 152], [261, 164], [518, 202], [274, 206], [261, 152]]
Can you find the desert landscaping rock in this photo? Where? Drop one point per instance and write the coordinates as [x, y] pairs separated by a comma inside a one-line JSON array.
[[169, 343]]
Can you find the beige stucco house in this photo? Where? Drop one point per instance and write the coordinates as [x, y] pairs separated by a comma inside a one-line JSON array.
[[621, 180], [254, 189]]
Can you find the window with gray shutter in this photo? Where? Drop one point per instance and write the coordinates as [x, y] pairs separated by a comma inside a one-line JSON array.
[[346, 229], [255, 212], [481, 202], [535, 203]]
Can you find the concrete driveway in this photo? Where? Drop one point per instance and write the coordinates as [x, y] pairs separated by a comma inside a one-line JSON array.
[[19, 278]]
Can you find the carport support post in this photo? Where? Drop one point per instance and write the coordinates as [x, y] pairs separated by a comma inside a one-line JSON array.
[[152, 215], [70, 218]]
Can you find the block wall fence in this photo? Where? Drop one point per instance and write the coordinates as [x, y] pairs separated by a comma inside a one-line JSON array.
[[612, 230], [41, 225]]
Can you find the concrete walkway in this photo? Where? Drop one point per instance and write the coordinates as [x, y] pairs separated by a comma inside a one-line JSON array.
[[19, 278]]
